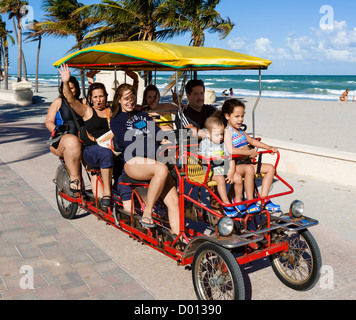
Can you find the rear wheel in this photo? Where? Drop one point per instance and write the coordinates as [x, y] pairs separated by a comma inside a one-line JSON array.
[[216, 274], [66, 208]]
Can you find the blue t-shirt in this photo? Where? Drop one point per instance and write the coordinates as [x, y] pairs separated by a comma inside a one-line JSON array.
[[135, 134]]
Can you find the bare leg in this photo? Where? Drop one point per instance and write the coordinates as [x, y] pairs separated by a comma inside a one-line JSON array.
[[269, 171], [146, 169], [221, 187], [238, 186], [127, 205], [71, 150], [170, 198], [248, 173], [106, 175]]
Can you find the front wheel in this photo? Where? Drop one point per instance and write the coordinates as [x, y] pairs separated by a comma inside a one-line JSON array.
[[216, 274], [299, 268]]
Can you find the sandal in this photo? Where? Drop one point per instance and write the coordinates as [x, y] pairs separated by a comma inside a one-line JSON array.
[[270, 206], [106, 201], [149, 225], [230, 212], [76, 183], [241, 208], [253, 208]]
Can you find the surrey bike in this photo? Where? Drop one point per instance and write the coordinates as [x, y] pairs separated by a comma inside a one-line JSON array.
[[215, 245]]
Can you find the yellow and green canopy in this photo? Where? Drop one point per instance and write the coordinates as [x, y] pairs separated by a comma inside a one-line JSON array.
[[148, 55]]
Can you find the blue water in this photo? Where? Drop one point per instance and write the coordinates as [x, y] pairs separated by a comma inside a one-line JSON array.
[[279, 86]]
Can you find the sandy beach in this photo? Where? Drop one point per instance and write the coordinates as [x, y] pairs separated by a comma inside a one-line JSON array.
[[327, 124]]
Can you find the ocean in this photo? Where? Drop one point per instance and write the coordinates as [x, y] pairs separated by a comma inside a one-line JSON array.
[[277, 86]]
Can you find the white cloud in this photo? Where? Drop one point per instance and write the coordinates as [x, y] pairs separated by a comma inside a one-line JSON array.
[[332, 44], [263, 45]]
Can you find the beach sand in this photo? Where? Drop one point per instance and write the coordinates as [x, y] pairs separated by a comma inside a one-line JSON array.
[[327, 124]]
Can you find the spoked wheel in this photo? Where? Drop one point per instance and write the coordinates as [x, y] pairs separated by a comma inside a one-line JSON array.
[[66, 208], [216, 274], [299, 268]]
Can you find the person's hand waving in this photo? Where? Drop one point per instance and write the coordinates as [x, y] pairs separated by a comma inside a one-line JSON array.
[[64, 72]]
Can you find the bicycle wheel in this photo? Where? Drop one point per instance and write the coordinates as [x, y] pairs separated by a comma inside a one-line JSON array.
[[66, 208], [299, 268], [216, 274]]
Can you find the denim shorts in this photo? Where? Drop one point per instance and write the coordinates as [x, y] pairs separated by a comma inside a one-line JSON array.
[[98, 157]]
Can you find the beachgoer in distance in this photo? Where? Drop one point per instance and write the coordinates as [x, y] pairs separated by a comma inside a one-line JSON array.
[[224, 93], [196, 112], [236, 142], [139, 156], [222, 171], [345, 95], [231, 92], [95, 114], [68, 146], [150, 104]]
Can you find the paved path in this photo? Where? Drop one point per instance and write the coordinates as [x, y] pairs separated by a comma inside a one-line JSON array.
[[86, 259], [65, 262]]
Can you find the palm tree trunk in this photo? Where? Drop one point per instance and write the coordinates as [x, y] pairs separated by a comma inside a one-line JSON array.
[[19, 47], [38, 62], [24, 66], [1, 58], [6, 67]]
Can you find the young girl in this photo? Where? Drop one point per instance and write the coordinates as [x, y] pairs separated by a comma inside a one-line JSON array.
[[136, 133], [236, 142]]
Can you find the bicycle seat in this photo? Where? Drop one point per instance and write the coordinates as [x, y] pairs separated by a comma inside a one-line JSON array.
[[128, 180]]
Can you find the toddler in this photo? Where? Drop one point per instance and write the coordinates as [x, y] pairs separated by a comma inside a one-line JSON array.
[[221, 171]]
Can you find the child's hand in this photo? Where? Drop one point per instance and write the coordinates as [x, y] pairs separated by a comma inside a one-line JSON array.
[[253, 154], [229, 177], [274, 150]]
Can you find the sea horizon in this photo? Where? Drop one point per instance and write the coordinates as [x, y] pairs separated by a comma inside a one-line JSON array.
[[314, 87]]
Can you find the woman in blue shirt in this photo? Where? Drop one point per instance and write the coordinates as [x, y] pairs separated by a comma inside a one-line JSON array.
[[136, 134]]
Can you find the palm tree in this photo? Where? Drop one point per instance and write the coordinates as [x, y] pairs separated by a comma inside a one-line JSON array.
[[122, 20], [4, 36], [126, 20], [196, 17], [63, 20], [35, 34], [15, 10]]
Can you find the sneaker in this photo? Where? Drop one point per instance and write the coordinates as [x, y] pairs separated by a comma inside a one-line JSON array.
[[230, 212], [241, 208], [253, 208]]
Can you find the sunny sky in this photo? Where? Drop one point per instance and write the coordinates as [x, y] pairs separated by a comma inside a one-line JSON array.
[[311, 37]]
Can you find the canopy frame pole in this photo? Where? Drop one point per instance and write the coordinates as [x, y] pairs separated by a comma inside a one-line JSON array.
[[115, 78], [256, 103], [155, 75], [180, 110]]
